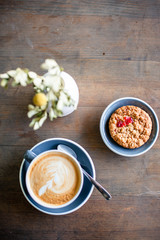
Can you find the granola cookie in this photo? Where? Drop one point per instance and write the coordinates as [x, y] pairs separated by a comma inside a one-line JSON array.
[[130, 126]]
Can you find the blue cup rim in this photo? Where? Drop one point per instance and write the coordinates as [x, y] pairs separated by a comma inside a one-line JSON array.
[[103, 121]]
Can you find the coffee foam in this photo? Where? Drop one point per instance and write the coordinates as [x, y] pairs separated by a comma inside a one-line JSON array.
[[54, 178]]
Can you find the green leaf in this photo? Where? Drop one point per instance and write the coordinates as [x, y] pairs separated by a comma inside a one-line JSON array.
[[14, 84]]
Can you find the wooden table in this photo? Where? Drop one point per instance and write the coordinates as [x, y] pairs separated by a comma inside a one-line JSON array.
[[112, 49]]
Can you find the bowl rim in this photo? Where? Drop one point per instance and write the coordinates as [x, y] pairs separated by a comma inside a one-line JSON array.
[[102, 127]]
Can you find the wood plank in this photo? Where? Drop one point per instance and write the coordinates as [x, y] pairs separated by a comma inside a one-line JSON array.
[[78, 37], [127, 218], [131, 9]]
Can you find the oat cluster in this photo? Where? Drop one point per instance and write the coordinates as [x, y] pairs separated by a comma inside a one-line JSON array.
[[133, 134]]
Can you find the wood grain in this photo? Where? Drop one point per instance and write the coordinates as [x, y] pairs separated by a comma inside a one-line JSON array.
[[111, 48], [130, 9]]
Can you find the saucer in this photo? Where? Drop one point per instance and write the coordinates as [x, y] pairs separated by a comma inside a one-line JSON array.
[[83, 158]]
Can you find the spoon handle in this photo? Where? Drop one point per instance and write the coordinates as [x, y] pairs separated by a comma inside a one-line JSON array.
[[101, 189]]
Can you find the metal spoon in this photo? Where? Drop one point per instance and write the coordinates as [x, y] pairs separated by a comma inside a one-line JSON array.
[[104, 192]]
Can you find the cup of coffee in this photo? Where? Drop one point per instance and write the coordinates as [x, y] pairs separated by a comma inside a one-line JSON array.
[[54, 179]]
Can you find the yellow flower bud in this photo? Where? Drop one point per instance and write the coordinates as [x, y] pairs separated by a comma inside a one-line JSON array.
[[40, 99]]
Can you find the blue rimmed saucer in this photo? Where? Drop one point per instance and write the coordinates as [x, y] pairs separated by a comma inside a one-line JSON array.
[[83, 158]]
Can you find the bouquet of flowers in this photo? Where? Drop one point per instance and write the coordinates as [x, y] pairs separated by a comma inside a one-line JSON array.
[[50, 94]]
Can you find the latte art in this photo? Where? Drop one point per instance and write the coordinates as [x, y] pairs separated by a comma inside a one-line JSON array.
[[55, 179], [58, 173]]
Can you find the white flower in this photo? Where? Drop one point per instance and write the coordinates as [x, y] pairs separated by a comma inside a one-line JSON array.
[[4, 76], [54, 71], [60, 105], [32, 74], [37, 82], [33, 122], [21, 77], [51, 96], [31, 107], [63, 97], [49, 64], [31, 113], [52, 114], [54, 82], [48, 81], [42, 120], [36, 126], [12, 73]]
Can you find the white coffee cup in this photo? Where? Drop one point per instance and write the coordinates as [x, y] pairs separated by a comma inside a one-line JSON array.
[[54, 179]]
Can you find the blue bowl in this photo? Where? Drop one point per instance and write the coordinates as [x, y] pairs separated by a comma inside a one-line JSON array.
[[104, 127]]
